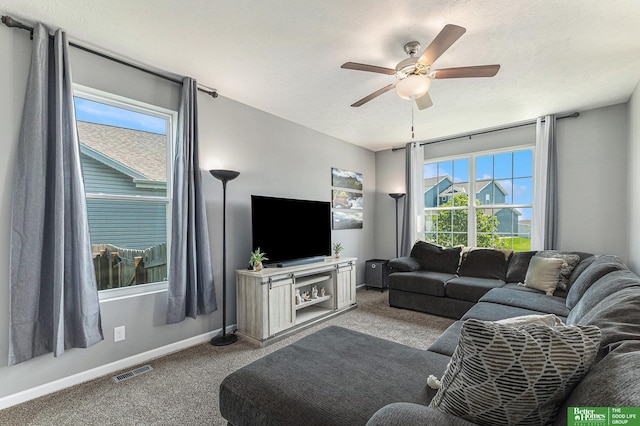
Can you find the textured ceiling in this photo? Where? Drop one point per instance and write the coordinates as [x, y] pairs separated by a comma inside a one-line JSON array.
[[284, 57]]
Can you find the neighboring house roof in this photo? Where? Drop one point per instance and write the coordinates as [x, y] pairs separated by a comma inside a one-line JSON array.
[[141, 155], [463, 188]]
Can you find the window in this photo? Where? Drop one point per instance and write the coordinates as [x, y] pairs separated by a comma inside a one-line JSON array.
[[125, 149], [493, 208]]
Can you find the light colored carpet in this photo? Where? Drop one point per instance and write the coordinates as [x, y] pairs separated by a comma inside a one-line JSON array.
[[183, 386]]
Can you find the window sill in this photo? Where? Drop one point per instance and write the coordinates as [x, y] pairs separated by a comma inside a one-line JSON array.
[[133, 291]]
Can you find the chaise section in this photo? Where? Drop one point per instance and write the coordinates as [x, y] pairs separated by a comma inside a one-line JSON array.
[[420, 282], [332, 377], [532, 300]]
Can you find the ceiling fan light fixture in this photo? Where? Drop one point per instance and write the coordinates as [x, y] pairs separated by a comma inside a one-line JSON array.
[[413, 86]]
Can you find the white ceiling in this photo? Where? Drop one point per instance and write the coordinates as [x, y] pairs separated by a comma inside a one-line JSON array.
[[284, 56]]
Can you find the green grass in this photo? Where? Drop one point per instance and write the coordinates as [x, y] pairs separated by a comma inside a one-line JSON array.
[[520, 243]]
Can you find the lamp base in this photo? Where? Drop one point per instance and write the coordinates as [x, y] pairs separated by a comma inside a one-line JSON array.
[[224, 340]]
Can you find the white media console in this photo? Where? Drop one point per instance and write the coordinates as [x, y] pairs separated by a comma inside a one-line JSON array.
[[267, 308]]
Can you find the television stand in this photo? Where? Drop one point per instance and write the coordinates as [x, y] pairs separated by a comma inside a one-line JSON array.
[[268, 309], [296, 262]]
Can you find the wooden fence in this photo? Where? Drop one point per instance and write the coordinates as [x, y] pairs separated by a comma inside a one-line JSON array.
[[119, 267]]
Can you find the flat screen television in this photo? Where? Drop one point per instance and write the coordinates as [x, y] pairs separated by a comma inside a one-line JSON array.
[[290, 231]]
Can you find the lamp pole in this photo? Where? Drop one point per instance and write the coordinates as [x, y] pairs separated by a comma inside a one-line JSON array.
[[224, 176], [396, 196]]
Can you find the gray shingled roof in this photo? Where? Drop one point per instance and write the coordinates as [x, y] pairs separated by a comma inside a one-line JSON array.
[[144, 152]]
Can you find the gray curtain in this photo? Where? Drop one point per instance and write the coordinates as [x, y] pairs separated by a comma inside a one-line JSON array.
[[545, 203], [191, 289], [413, 214], [54, 299]]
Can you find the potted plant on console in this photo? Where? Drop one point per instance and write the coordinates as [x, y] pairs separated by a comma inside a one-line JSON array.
[[256, 259], [337, 248]]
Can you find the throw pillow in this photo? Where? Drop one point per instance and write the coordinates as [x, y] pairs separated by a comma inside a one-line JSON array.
[[570, 262], [547, 319], [543, 274], [435, 258], [514, 375], [484, 263]]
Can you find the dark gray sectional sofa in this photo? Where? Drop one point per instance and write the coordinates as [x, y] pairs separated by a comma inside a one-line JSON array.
[[342, 377]]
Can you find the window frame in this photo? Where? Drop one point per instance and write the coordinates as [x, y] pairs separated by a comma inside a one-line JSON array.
[[473, 207], [171, 118]]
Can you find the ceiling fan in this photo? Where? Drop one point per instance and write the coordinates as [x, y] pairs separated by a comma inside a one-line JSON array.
[[414, 75]]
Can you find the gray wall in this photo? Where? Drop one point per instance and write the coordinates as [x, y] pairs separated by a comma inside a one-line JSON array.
[[633, 178], [593, 178], [274, 156]]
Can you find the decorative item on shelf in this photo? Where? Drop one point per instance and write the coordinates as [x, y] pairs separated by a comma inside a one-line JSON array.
[[322, 292], [256, 259], [306, 296], [337, 248], [396, 196], [314, 292], [298, 297], [224, 176]]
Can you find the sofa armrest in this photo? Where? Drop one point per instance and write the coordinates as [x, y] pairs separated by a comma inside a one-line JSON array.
[[404, 264], [408, 414]]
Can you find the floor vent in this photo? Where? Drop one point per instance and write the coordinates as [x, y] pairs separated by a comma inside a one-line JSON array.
[[133, 373]]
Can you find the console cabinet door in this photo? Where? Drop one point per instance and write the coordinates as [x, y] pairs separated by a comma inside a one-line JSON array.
[[345, 285], [281, 306]]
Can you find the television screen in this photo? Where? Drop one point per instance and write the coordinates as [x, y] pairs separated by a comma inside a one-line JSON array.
[[288, 230]]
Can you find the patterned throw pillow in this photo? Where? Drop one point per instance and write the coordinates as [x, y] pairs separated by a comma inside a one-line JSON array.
[[570, 263], [500, 374]]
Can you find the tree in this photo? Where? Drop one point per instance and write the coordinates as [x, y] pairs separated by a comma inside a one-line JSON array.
[[452, 225]]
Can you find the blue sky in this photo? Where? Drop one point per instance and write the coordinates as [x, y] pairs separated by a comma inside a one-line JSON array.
[[96, 112]]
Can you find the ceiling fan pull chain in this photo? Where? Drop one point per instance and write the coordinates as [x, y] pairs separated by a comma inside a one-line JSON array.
[[412, 134]]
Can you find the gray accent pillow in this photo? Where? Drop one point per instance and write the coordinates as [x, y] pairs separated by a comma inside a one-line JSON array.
[[484, 263], [404, 264], [514, 375], [570, 262], [435, 258], [518, 265], [543, 274]]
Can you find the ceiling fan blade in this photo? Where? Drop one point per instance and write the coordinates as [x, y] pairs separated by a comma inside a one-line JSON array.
[[374, 95], [364, 67], [424, 101], [466, 72], [449, 35]]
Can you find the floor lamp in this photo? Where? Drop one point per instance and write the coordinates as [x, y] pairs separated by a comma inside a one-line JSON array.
[[396, 196], [224, 176]]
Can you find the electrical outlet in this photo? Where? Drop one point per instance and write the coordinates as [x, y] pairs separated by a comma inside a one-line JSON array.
[[118, 333]]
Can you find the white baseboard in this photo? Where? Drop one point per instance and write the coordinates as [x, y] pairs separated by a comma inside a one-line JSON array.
[[103, 370]]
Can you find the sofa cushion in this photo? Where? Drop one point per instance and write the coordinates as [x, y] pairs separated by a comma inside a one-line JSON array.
[[404, 264], [527, 300], [484, 263], [543, 274], [405, 414], [617, 316], [599, 267], [298, 384], [469, 288], [423, 282], [518, 265], [514, 375], [570, 262], [601, 289], [579, 269], [612, 382], [487, 311], [435, 258], [448, 341]]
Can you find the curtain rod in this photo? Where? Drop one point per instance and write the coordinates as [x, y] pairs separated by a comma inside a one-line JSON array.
[[12, 23], [470, 135]]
